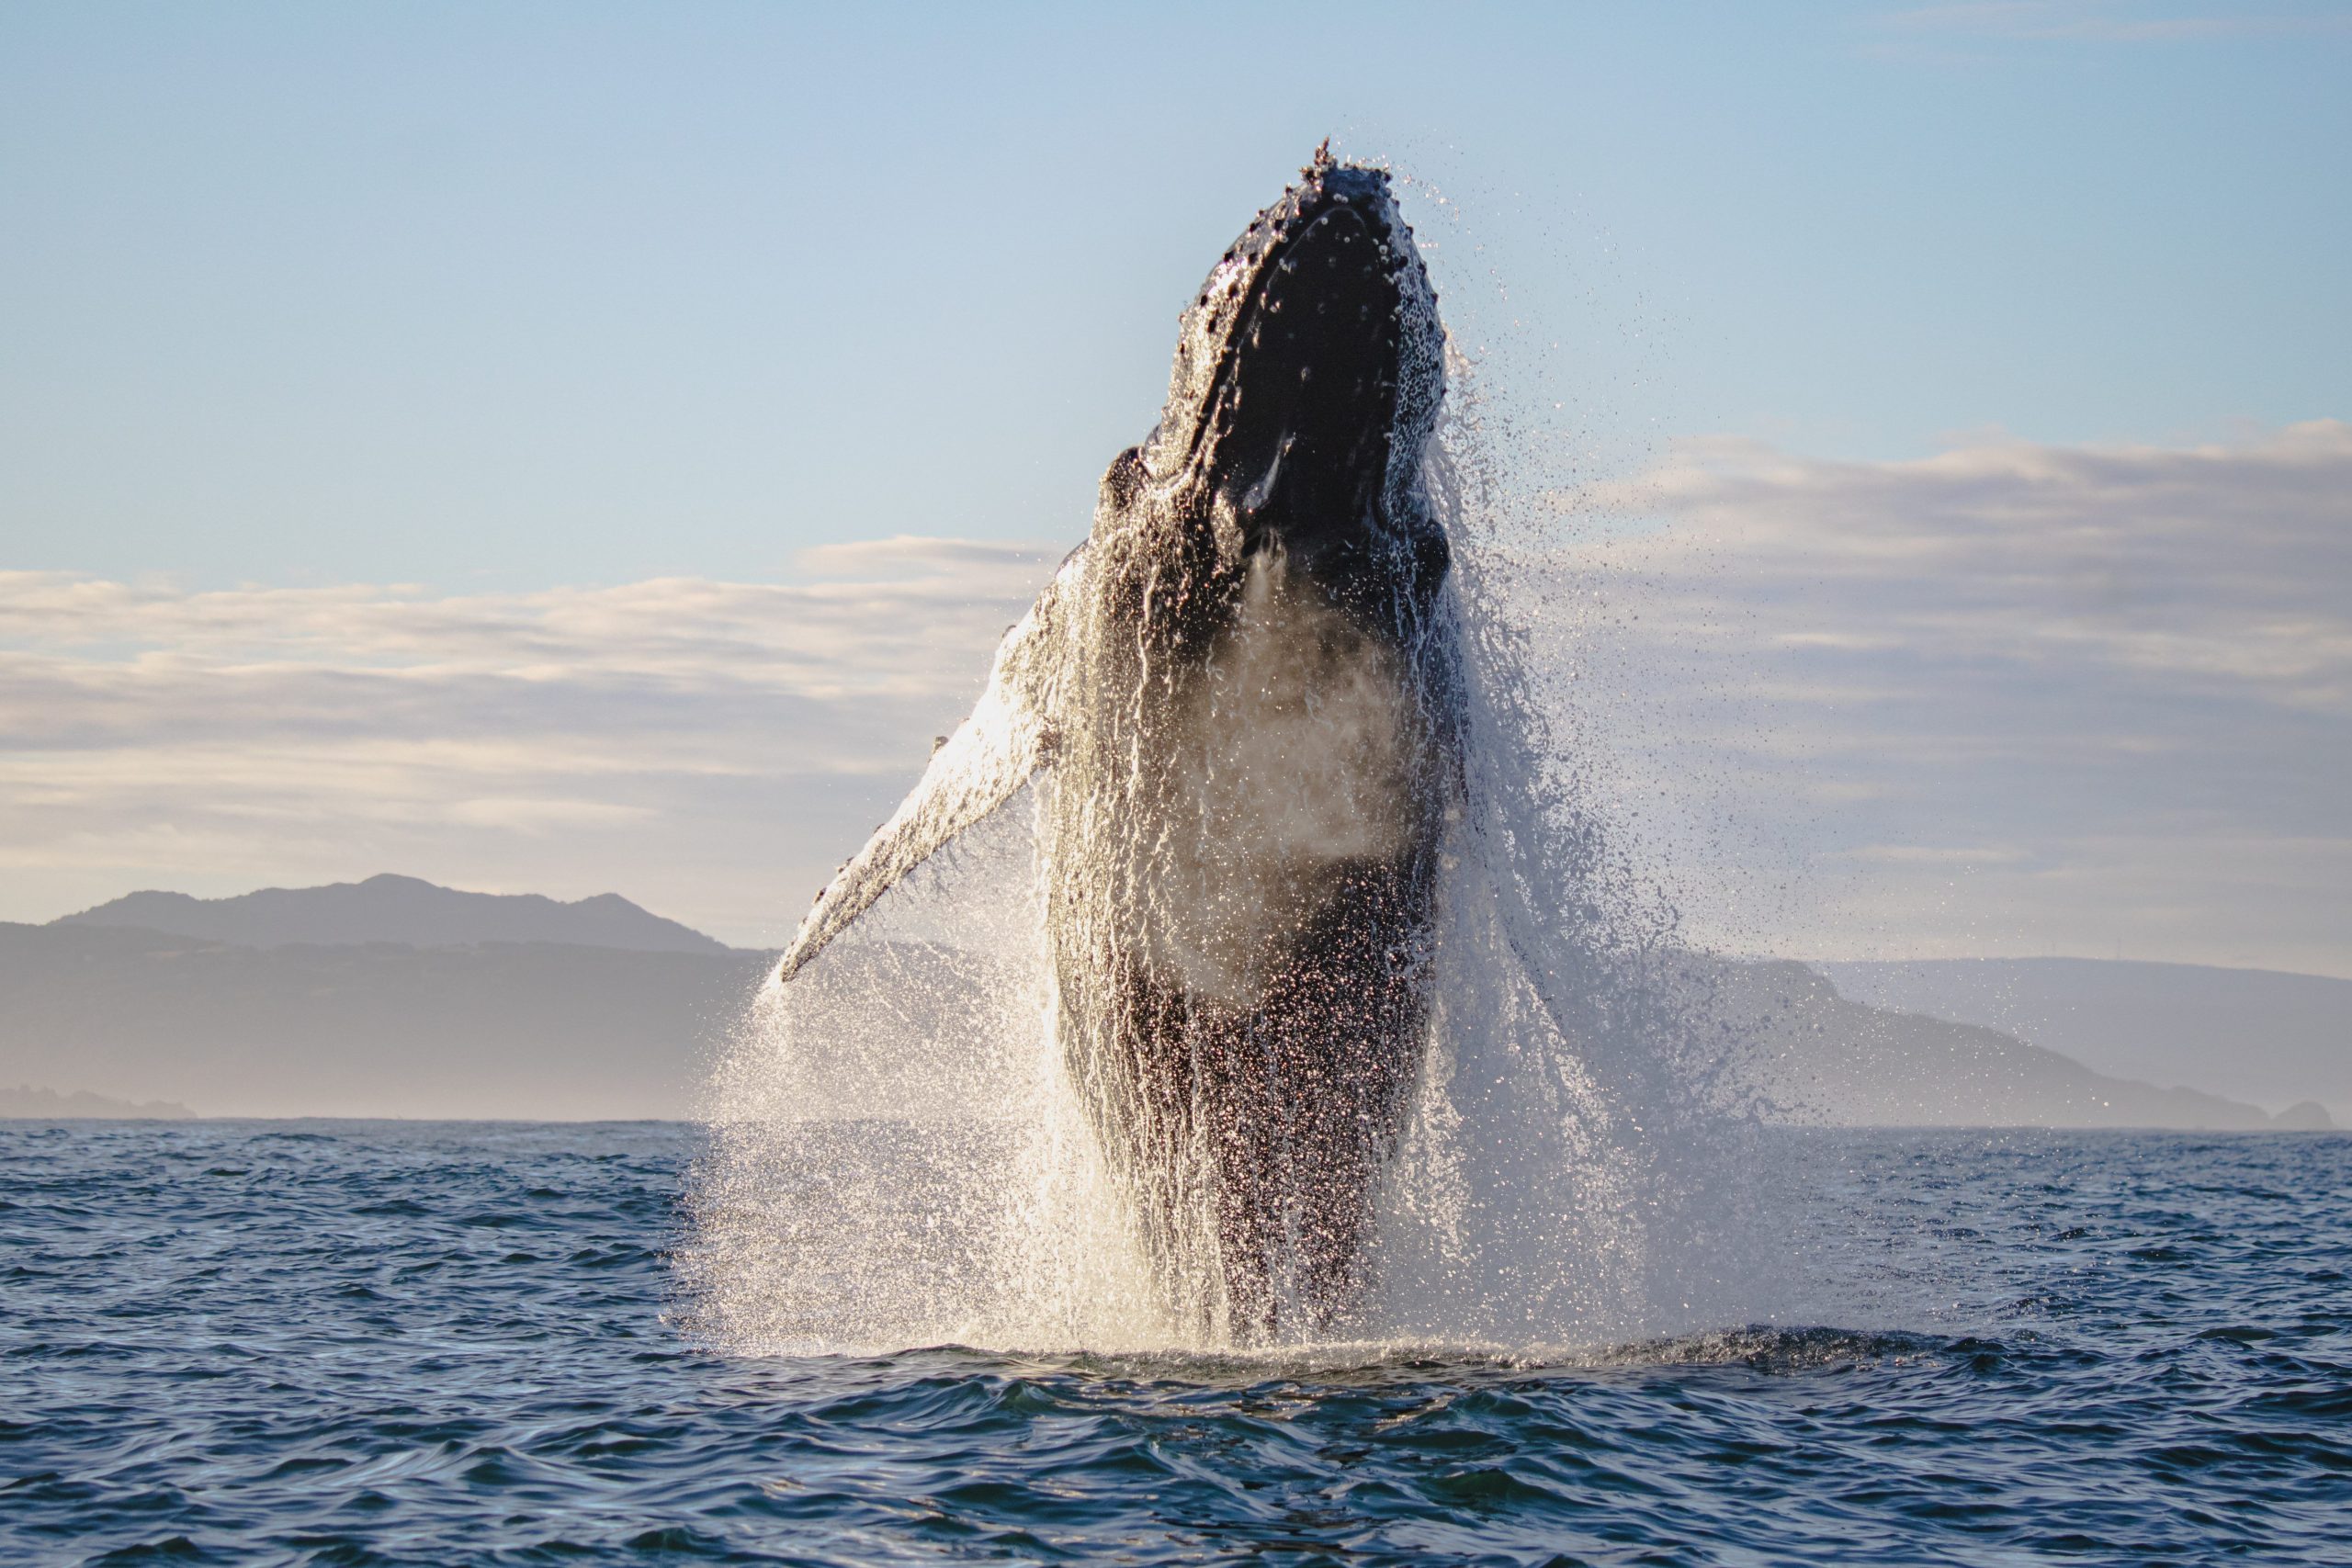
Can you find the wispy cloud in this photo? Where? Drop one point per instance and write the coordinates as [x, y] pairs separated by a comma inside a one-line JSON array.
[[2048, 697], [710, 745], [2014, 697]]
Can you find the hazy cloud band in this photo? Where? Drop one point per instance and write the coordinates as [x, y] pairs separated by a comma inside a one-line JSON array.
[[2011, 698]]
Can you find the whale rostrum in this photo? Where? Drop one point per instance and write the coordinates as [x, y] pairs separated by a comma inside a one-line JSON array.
[[1240, 701]]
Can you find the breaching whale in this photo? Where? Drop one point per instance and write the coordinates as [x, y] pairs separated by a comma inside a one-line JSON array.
[[1239, 698]]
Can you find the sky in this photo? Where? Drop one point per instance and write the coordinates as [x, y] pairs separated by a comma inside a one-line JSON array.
[[580, 447]]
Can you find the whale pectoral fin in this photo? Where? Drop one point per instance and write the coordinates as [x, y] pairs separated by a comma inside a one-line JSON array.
[[972, 773]]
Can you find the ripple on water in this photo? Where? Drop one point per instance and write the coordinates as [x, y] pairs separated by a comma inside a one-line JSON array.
[[356, 1343]]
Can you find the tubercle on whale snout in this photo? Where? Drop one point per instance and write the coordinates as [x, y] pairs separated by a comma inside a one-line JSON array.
[[1313, 346], [1320, 189], [1308, 378]]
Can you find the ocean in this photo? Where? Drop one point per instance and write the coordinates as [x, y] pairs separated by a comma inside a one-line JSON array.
[[462, 1343]]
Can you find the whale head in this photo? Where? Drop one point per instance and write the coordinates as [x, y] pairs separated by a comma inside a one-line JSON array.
[[1309, 373]]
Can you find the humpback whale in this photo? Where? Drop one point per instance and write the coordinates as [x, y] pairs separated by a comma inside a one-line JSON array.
[[1241, 702]]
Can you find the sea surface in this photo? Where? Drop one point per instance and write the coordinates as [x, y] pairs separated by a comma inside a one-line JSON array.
[[351, 1342]]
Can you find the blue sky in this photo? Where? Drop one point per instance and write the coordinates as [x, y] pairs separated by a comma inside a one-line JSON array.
[[504, 297]]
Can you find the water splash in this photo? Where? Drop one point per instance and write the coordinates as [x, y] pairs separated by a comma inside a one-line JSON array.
[[900, 1157], [1307, 989]]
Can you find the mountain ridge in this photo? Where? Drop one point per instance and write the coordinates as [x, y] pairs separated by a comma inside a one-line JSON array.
[[405, 910], [1822, 1054], [548, 1031], [502, 1030], [397, 992], [2270, 1037]]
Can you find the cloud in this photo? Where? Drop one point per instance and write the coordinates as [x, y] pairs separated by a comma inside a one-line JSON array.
[[2221, 569], [709, 747], [2010, 698], [2087, 682]]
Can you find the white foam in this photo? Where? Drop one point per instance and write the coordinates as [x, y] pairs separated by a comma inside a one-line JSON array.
[[899, 1158]]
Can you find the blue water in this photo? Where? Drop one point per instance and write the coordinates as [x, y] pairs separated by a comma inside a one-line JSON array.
[[448, 1344]]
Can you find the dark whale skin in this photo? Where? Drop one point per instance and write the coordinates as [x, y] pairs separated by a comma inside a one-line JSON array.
[[1243, 1007], [1240, 700]]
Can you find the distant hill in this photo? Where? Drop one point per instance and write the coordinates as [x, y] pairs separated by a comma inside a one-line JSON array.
[[541, 1030], [1826, 1057], [2253, 1034], [27, 1104], [397, 909], [524, 1031]]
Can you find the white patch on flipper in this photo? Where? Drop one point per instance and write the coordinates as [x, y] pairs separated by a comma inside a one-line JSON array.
[[995, 751]]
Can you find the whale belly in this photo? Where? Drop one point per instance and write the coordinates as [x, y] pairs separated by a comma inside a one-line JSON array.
[[1297, 767], [1244, 998]]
